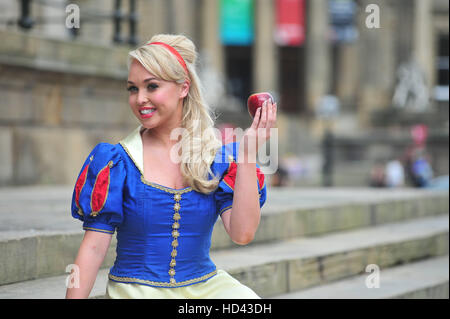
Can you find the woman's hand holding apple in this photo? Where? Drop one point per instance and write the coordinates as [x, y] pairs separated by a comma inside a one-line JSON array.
[[259, 132]]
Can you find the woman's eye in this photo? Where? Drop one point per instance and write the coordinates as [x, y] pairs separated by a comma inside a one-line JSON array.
[[135, 89]]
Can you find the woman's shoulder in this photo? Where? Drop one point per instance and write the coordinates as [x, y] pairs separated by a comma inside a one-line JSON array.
[[225, 155], [106, 150], [103, 154]]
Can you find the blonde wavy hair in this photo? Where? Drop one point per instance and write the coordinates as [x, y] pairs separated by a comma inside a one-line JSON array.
[[199, 142]]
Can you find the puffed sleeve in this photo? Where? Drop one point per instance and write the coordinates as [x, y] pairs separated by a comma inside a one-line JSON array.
[[98, 191], [224, 193]]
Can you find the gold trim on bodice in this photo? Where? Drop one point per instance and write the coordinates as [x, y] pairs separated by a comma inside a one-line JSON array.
[[162, 284], [132, 145], [175, 235]]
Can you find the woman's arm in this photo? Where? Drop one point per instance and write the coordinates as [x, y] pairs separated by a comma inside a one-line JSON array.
[[242, 220], [90, 256]]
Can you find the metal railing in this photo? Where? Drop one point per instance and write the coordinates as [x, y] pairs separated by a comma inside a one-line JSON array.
[[116, 17]]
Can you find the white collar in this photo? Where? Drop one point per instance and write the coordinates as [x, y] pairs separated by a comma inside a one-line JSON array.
[[133, 146]]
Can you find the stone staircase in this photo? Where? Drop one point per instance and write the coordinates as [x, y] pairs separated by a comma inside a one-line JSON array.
[[311, 243]]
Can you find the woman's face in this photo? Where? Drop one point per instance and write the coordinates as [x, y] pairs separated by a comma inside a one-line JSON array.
[[154, 102]]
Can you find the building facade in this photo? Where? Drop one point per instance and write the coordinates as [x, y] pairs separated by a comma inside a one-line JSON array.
[[62, 85]]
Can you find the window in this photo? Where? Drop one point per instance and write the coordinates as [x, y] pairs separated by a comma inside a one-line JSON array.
[[442, 69], [238, 63]]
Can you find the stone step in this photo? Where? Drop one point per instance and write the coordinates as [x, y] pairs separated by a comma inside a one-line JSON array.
[[301, 212], [428, 279], [39, 238], [291, 265]]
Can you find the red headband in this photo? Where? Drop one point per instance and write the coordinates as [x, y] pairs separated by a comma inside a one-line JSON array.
[[174, 52]]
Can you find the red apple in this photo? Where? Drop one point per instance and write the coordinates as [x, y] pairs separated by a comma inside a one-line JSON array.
[[256, 100]]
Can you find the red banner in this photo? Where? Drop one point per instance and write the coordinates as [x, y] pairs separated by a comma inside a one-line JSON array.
[[290, 28]]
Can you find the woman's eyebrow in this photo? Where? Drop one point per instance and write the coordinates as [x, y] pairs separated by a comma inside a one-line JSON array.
[[146, 80]]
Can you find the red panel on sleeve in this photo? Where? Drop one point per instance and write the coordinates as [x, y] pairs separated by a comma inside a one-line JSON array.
[[100, 190], [230, 177], [79, 186]]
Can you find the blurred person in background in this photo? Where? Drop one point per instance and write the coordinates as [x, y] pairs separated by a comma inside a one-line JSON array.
[[395, 175], [280, 177], [416, 159], [420, 169], [378, 174]]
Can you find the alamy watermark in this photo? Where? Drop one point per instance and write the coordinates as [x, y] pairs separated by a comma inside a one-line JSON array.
[[266, 152], [73, 17], [373, 280], [73, 279], [373, 19]]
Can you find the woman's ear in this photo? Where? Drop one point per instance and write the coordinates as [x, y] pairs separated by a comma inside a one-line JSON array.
[[185, 89]]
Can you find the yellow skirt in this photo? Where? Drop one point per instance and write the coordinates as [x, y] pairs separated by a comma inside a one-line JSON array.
[[220, 286]]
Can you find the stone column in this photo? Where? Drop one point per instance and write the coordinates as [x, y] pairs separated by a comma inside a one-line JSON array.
[[183, 16], [6, 155], [376, 61], [93, 31], [54, 18], [153, 17], [10, 10], [318, 55], [210, 38], [348, 75], [423, 39], [265, 77]]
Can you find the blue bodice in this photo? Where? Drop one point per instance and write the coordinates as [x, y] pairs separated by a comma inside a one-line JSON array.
[[163, 234]]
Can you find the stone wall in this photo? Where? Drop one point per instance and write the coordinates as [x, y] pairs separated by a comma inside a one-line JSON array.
[[58, 100]]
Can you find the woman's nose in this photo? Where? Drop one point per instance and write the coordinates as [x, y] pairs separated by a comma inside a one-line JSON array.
[[142, 98]]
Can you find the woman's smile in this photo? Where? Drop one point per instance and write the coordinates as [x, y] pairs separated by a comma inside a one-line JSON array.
[[146, 112]]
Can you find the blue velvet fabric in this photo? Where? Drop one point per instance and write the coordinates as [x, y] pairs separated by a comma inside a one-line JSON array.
[[142, 214]]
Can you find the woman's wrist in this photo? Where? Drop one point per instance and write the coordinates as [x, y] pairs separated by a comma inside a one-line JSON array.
[[247, 153], [246, 158]]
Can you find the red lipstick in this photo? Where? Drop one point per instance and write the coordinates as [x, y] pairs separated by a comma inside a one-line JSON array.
[[146, 112]]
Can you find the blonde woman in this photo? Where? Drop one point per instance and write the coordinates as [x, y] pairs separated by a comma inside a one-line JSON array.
[[163, 195]]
